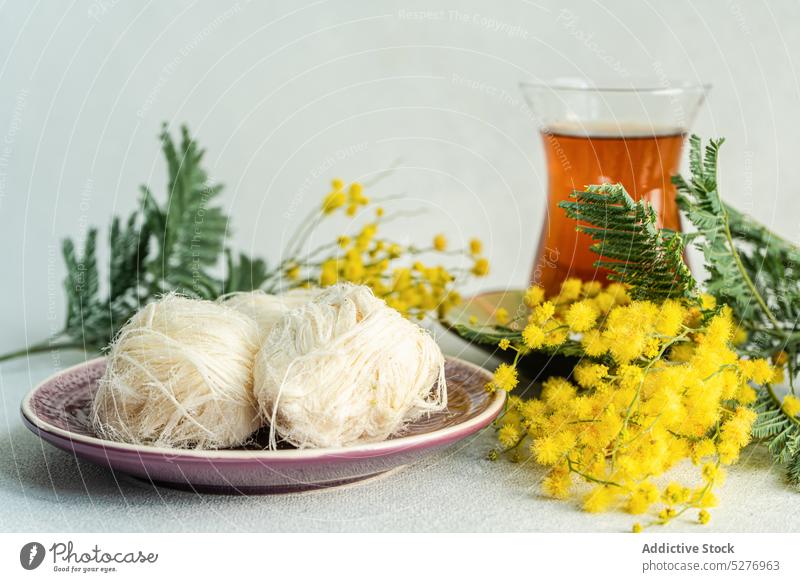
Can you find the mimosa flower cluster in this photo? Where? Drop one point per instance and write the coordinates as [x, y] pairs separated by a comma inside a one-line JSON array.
[[657, 384], [400, 274]]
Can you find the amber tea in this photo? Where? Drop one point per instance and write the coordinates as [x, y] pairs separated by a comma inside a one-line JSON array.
[[643, 161]]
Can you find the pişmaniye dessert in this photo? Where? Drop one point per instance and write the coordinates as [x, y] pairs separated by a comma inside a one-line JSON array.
[[333, 369], [180, 374], [346, 368]]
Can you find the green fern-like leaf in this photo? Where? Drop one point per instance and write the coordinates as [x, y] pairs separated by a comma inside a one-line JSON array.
[[244, 273], [174, 247], [780, 432], [793, 470], [699, 198], [749, 267], [773, 264], [630, 244], [82, 281], [92, 319], [191, 229]]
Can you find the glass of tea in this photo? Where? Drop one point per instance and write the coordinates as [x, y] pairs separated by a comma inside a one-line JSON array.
[[594, 135]]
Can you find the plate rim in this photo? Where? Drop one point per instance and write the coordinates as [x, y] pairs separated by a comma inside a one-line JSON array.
[[496, 401]]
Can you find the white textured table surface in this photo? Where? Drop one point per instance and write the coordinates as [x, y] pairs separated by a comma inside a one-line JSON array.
[[44, 489]]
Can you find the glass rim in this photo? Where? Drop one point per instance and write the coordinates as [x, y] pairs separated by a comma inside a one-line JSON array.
[[578, 84]]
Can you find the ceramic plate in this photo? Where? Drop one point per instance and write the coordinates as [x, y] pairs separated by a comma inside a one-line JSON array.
[[58, 411]]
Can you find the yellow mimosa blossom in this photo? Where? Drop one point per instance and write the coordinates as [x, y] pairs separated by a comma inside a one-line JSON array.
[[708, 302], [533, 296], [780, 358], [702, 449], [329, 273], [480, 268], [619, 292], [475, 246], [533, 336], [667, 514], [599, 499], [604, 302], [758, 370], [353, 266], [543, 312], [557, 391], [504, 344], [720, 330], [555, 333], [656, 384], [590, 375], [594, 344], [644, 495], [440, 242], [367, 258], [581, 316], [501, 315], [545, 450], [505, 378], [682, 352], [394, 251], [293, 272], [630, 377], [675, 494], [336, 199], [356, 194], [508, 435], [704, 497], [740, 337], [570, 289], [364, 238], [356, 198], [557, 484], [713, 473], [652, 347], [670, 318], [791, 405], [592, 288]]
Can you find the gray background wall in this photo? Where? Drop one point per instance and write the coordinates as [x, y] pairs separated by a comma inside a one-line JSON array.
[[285, 95]]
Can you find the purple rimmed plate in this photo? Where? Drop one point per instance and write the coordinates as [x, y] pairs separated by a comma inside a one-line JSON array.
[[57, 410]]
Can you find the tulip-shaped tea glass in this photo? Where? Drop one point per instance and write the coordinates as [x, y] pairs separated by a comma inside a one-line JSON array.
[[592, 135]]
